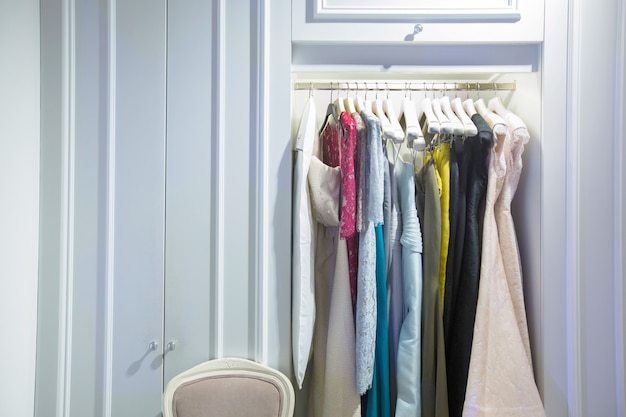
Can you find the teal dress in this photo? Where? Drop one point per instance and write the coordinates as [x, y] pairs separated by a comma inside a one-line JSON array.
[[378, 400]]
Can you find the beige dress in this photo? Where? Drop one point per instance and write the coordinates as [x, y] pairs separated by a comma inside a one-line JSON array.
[[500, 381], [506, 228], [333, 390]]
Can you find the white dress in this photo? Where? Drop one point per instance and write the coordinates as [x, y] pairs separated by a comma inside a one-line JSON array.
[[303, 249]]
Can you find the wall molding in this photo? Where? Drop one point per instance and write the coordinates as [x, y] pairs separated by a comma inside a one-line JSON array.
[[68, 112], [573, 308], [260, 184], [620, 211], [110, 213], [218, 163]]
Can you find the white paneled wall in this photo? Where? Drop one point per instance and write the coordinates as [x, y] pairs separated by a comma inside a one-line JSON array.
[[592, 176], [19, 210], [165, 203], [190, 295]]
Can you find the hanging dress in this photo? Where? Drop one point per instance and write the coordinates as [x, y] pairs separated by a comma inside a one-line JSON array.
[[334, 386], [348, 203], [378, 400], [506, 228], [441, 154], [500, 381], [302, 273], [457, 236], [359, 176], [463, 292], [434, 391], [408, 403], [394, 269], [325, 186], [371, 174]]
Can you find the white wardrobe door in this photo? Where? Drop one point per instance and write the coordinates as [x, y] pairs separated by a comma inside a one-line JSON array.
[[189, 186], [139, 217]]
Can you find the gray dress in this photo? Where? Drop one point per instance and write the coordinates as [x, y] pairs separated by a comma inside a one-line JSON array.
[[434, 382]]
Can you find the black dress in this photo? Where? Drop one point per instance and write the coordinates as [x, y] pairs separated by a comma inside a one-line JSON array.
[[464, 292]]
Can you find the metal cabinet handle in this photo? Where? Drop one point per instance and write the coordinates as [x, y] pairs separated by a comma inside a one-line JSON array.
[[171, 345], [153, 345]]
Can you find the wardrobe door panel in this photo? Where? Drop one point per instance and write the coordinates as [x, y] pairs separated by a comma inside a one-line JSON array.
[[188, 299], [139, 208]]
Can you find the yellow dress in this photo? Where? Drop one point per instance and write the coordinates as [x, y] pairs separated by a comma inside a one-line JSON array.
[[441, 154]]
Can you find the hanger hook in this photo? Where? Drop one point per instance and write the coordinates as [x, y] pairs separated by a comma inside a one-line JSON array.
[[387, 85], [310, 89], [478, 90]]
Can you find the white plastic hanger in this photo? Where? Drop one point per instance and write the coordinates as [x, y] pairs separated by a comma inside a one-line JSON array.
[[468, 106], [496, 105], [444, 122], [377, 108], [349, 102], [455, 123], [469, 128], [339, 103], [362, 104], [359, 102], [396, 131], [431, 122], [491, 118], [413, 132], [368, 103]]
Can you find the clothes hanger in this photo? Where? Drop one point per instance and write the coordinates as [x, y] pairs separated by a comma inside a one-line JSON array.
[[331, 112], [468, 106], [339, 102], [444, 123], [496, 105], [455, 123], [368, 103], [359, 102], [469, 128], [491, 118], [397, 133], [377, 108], [349, 102], [408, 115], [428, 118]]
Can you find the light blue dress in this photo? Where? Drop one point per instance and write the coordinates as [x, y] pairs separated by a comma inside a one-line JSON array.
[[408, 402]]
